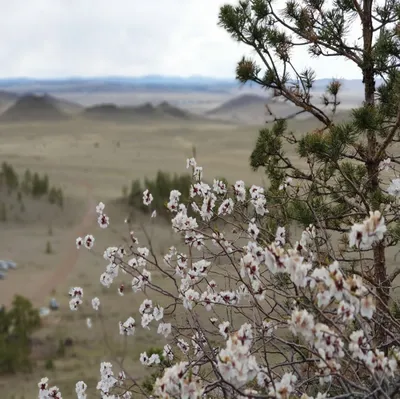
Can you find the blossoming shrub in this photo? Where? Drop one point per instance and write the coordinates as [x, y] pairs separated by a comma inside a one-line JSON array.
[[280, 323]]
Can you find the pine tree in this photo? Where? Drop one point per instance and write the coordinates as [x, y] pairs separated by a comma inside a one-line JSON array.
[[45, 184], [10, 176], [27, 182], [36, 187], [343, 178]]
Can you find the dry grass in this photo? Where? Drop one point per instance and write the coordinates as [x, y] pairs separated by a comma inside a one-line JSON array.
[[107, 156]]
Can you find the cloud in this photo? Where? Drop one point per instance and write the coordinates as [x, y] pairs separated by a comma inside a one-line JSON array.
[[55, 38]]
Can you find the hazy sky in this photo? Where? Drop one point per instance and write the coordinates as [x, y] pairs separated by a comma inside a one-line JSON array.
[[59, 38]]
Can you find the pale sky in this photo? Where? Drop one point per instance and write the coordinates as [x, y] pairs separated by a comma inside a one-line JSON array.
[[63, 38]]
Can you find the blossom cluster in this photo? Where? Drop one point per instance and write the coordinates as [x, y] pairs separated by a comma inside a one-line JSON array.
[[108, 382], [179, 382], [262, 267], [76, 295], [235, 363], [365, 235]]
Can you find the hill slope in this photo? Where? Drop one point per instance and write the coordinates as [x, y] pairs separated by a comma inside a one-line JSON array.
[[33, 107], [176, 112], [114, 113], [6, 100], [238, 103], [141, 113], [253, 109], [244, 109], [69, 107]]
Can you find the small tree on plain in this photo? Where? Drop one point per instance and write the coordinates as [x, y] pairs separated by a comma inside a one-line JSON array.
[[16, 327], [27, 182], [49, 248], [36, 185]]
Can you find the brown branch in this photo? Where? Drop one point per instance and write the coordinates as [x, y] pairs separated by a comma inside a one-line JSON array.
[[389, 138]]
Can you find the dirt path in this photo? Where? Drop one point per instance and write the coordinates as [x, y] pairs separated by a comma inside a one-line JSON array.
[[66, 266]]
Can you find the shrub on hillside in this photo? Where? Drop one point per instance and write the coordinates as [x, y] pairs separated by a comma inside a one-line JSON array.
[[40, 185], [55, 196], [160, 187], [32, 184], [149, 381], [9, 177], [49, 248], [26, 184], [16, 327]]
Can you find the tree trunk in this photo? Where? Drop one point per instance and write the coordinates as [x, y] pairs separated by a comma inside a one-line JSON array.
[[380, 272]]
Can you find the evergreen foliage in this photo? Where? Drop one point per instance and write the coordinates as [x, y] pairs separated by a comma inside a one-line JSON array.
[[160, 187], [343, 179], [16, 326]]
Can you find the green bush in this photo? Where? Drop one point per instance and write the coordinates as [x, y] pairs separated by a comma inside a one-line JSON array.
[[160, 187], [49, 248], [26, 185], [9, 177], [61, 348], [55, 196], [45, 184], [16, 328], [40, 186], [149, 381], [52, 195], [34, 185], [49, 365]]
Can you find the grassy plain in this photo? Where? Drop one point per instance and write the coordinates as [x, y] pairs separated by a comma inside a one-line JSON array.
[[92, 161]]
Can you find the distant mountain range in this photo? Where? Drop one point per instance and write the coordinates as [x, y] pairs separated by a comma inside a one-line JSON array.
[[151, 82], [248, 109], [32, 107]]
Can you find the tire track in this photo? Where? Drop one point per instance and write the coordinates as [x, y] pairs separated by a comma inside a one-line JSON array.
[[66, 267]]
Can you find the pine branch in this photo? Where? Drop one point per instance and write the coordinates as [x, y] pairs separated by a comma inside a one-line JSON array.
[[389, 138], [363, 199], [394, 274], [357, 6], [343, 50]]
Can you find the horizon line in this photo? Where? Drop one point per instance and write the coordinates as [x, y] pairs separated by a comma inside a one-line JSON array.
[[153, 76]]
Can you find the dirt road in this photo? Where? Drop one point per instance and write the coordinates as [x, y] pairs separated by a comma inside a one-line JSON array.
[[37, 283], [71, 254]]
